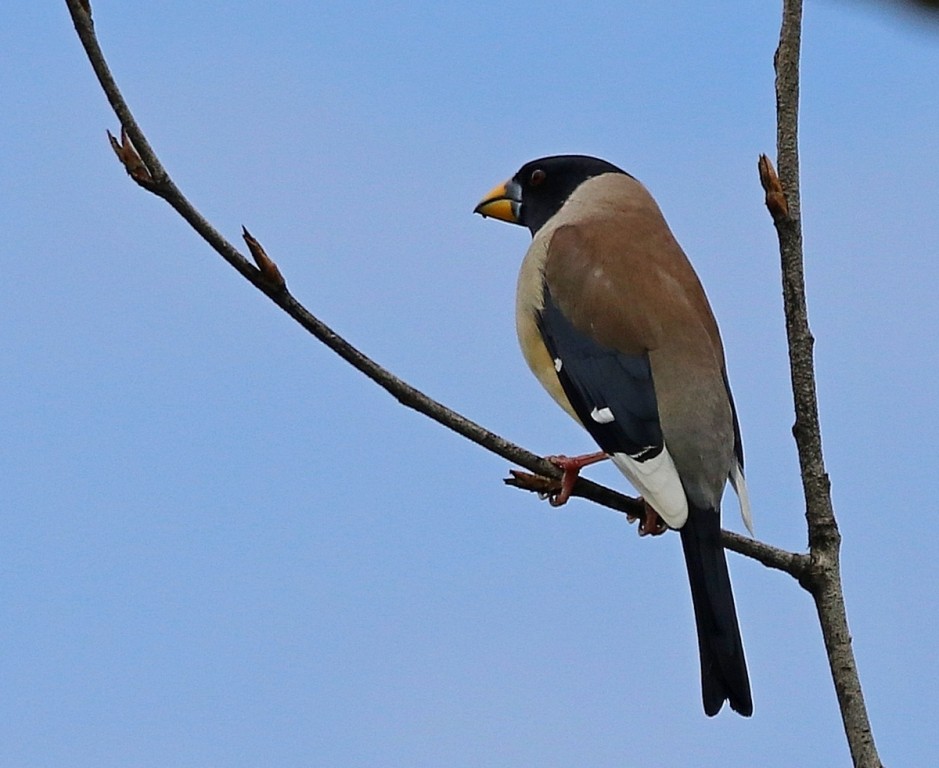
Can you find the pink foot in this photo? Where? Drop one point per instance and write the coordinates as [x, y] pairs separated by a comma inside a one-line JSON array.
[[571, 466]]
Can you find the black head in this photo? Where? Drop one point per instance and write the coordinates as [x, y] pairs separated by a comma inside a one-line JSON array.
[[539, 189]]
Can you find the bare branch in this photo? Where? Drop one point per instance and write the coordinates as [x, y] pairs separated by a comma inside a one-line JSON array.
[[823, 578], [138, 157], [793, 563], [142, 164]]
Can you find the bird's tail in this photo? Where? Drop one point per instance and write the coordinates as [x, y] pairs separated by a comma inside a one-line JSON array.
[[723, 666]]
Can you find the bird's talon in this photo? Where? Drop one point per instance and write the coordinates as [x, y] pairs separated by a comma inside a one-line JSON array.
[[571, 466], [650, 522]]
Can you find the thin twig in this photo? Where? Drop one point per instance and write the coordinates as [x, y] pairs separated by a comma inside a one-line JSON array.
[[795, 564], [159, 183], [823, 578], [268, 279]]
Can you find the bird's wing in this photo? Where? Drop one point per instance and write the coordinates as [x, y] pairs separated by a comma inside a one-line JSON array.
[[737, 479], [609, 383], [611, 391]]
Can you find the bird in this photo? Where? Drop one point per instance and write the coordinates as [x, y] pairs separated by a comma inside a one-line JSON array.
[[614, 323]]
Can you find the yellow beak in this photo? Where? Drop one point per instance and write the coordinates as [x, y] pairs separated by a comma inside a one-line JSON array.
[[501, 203]]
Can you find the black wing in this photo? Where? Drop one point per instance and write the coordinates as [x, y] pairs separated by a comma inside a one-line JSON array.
[[738, 443], [611, 392]]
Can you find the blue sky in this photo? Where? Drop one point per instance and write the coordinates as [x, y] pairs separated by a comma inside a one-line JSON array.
[[221, 546]]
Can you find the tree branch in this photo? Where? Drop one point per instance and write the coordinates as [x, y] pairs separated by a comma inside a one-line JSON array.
[[823, 578], [144, 167]]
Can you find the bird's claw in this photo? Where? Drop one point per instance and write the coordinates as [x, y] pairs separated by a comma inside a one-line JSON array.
[[650, 524], [571, 465]]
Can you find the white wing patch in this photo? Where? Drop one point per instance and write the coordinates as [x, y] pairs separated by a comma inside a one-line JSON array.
[[739, 483], [658, 482], [602, 415], [558, 364]]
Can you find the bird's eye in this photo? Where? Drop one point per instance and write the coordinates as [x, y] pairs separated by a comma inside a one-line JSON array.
[[537, 177]]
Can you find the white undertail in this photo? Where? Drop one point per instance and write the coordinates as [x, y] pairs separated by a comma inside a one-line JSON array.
[[658, 482]]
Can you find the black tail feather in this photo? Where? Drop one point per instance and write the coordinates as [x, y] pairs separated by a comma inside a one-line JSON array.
[[723, 666]]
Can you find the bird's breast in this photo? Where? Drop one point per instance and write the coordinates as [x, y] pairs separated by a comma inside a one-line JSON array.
[[529, 302]]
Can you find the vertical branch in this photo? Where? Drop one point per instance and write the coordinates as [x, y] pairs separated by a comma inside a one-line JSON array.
[[819, 513], [824, 577]]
